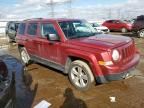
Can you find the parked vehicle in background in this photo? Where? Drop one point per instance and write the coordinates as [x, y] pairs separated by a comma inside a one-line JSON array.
[[11, 30], [138, 26], [74, 47], [7, 87], [118, 25], [100, 28]]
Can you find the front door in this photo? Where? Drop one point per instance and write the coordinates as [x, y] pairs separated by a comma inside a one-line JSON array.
[[48, 50]]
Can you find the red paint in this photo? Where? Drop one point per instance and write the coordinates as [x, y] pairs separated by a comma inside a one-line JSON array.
[[117, 25], [92, 49]]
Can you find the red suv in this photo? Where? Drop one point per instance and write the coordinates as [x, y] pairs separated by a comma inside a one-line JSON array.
[[74, 47], [117, 25]]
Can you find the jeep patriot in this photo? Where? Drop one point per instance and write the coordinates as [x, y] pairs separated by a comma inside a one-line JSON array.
[[75, 48]]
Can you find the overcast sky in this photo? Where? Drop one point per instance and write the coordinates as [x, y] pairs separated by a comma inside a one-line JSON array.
[[90, 9]]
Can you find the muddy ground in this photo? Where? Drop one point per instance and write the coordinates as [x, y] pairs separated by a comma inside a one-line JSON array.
[[45, 83]]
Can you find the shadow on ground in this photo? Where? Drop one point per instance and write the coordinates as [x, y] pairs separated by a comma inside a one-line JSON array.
[[71, 101]]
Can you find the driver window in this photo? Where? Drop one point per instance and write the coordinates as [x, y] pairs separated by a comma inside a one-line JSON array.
[[47, 28]]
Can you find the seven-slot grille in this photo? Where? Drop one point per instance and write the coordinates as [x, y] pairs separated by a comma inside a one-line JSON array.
[[128, 52]]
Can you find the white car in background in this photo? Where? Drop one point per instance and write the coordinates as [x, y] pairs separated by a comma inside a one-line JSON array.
[[100, 28]]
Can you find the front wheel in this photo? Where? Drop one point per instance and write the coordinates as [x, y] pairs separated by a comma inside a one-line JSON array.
[[8, 39], [141, 33], [80, 75], [12, 105], [124, 30], [24, 55]]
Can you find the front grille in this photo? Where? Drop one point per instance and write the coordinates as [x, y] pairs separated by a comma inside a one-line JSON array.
[[128, 52]]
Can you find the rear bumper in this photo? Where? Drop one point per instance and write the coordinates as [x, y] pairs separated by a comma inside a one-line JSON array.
[[118, 73]]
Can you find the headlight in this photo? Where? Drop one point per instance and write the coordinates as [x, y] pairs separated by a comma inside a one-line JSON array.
[[115, 55]]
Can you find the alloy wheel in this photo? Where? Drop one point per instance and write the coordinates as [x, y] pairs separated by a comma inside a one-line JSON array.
[[79, 76]]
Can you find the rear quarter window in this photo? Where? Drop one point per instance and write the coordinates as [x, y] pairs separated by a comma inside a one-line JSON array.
[[21, 29]]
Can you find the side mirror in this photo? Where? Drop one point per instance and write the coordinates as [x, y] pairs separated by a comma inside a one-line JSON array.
[[52, 37]]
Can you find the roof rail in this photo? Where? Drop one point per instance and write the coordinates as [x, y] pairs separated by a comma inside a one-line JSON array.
[[33, 19]]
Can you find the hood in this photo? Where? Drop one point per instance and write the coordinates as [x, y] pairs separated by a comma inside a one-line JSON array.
[[101, 41]]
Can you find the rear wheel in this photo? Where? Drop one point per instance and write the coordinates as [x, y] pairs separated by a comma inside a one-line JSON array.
[[12, 105], [124, 30], [8, 39], [80, 75], [24, 55], [141, 33]]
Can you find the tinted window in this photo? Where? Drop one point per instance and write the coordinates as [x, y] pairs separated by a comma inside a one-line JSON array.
[[110, 21], [140, 18], [16, 25], [96, 25], [47, 28], [32, 29], [12, 26], [21, 29]]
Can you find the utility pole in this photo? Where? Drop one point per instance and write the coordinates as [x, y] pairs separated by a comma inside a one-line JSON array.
[[70, 8], [51, 5], [109, 13], [52, 8], [119, 13]]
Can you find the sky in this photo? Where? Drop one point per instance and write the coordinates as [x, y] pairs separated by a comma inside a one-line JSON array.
[[78, 2], [90, 9]]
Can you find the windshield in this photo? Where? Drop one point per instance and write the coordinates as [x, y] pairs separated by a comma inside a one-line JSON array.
[[77, 29], [96, 25]]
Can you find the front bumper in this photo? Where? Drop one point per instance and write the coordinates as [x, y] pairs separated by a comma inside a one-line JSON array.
[[119, 72], [114, 77]]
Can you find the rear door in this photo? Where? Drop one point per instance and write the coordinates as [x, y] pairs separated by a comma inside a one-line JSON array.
[[31, 34]]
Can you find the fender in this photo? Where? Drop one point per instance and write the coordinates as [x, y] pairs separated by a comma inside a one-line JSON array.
[[91, 58]]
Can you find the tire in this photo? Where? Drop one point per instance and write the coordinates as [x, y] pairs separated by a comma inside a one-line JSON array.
[[8, 39], [12, 105], [80, 75], [24, 55], [141, 33], [124, 30]]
